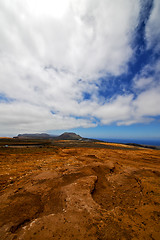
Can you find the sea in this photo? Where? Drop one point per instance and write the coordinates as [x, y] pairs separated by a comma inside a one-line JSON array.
[[155, 142]]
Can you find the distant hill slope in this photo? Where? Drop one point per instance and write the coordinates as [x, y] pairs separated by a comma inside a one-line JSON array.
[[69, 136], [34, 136], [64, 136]]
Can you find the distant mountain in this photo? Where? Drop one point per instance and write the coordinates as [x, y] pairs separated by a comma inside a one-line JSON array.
[[69, 136], [64, 136], [34, 136]]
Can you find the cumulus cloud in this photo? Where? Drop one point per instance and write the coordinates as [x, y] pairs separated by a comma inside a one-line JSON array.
[[148, 82], [140, 107], [147, 103], [127, 110], [152, 28], [24, 117], [52, 55], [143, 82], [148, 77], [117, 110]]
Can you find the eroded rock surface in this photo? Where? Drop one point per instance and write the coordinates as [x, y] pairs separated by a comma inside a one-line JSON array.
[[84, 194]]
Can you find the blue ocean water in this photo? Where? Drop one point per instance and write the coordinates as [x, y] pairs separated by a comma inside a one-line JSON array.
[[154, 142]]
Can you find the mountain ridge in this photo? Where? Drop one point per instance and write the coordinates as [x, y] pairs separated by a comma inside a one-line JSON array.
[[63, 136]]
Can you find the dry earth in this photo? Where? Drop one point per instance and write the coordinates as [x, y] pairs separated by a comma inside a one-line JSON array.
[[95, 192]]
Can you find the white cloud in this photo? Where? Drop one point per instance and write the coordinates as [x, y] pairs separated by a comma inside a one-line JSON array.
[[21, 117], [152, 28], [157, 67], [117, 110], [53, 52], [147, 103], [143, 82], [83, 40], [125, 110], [148, 77]]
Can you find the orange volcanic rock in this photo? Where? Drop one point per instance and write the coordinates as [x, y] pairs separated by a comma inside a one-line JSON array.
[[96, 191]]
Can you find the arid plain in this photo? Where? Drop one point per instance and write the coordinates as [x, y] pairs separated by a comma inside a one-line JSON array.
[[79, 190]]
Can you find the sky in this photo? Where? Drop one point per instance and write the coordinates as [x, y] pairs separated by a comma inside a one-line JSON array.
[[88, 66]]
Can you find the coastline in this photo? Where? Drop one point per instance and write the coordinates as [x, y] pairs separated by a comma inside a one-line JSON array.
[[148, 142]]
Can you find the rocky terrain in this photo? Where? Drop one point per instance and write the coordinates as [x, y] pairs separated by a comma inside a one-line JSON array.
[[78, 190]]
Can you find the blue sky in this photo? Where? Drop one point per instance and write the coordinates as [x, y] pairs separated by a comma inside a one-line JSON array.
[[88, 66], [136, 131]]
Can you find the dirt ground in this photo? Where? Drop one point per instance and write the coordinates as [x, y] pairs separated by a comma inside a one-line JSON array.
[[96, 192]]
